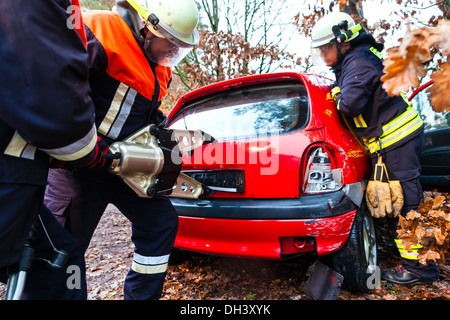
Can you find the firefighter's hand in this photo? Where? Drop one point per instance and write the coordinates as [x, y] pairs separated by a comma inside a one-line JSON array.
[[378, 199], [335, 92], [396, 197], [101, 148], [95, 158]]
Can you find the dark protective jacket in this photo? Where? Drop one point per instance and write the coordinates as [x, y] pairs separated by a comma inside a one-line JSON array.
[[374, 115], [127, 88], [45, 108]]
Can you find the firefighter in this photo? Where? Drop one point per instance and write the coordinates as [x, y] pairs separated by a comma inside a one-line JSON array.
[[389, 127], [131, 52], [45, 113]]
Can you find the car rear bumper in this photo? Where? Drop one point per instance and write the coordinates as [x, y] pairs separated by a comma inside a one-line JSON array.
[[255, 228], [261, 238]]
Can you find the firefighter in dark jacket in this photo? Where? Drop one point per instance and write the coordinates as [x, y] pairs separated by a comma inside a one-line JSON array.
[[131, 52], [45, 112], [387, 126]]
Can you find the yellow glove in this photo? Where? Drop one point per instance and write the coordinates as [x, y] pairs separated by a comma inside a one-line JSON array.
[[378, 192], [335, 92]]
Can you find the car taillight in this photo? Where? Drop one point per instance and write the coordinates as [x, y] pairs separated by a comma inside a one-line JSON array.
[[320, 172]]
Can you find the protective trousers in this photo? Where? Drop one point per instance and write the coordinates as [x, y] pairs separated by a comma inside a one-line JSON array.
[[404, 163], [82, 196], [42, 282]]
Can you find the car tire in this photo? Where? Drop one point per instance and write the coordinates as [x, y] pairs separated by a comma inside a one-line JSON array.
[[357, 260]]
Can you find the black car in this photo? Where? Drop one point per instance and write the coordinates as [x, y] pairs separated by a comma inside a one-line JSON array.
[[435, 159]]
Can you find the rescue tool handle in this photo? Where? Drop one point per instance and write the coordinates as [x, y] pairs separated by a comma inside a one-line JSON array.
[[111, 156]]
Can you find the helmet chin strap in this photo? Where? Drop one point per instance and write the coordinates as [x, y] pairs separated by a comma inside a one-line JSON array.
[[341, 55]]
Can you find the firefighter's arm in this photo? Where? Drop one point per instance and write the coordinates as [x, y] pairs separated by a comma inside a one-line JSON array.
[[356, 83], [45, 89]]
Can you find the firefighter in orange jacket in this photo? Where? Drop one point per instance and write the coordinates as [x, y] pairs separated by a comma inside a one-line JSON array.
[[131, 53], [45, 111]]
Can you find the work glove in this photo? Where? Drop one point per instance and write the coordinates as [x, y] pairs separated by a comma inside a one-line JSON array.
[[97, 158], [378, 192], [396, 197], [101, 148], [335, 92], [158, 118]]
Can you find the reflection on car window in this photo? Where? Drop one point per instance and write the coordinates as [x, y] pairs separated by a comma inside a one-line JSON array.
[[432, 119], [247, 112]]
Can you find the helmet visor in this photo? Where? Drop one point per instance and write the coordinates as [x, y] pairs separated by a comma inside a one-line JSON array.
[[319, 55], [163, 51]]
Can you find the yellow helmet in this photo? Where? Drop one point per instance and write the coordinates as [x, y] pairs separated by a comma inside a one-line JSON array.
[[174, 20]]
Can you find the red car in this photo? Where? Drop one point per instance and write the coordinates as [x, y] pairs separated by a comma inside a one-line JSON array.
[[287, 177]]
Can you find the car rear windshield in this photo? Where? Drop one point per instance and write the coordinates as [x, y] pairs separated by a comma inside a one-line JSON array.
[[247, 112]]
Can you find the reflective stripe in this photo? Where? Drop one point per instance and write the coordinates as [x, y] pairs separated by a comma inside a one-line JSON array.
[[409, 103], [118, 112], [76, 150], [397, 129], [123, 114], [409, 255], [412, 254], [359, 121], [376, 52], [150, 264], [29, 152], [399, 244], [143, 11], [16, 145], [113, 110]]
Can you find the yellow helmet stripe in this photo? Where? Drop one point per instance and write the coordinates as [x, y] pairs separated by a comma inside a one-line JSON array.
[[143, 11]]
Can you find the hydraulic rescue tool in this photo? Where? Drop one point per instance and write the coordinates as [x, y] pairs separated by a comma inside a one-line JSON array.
[[149, 161]]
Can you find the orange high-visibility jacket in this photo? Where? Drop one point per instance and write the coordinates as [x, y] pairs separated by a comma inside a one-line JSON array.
[[126, 87]]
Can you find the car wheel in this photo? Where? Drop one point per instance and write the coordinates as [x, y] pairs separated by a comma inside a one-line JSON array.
[[357, 259]]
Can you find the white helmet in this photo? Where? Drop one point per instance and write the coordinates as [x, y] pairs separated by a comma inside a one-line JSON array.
[[175, 21], [336, 27]]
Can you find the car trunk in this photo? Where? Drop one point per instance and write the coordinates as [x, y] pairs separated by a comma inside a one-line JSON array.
[[260, 139]]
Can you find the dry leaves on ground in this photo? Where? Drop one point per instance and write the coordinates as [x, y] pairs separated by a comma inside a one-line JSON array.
[[204, 277], [429, 228]]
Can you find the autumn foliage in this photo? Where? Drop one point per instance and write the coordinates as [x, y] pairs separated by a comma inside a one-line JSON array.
[[409, 61], [222, 55], [429, 226]]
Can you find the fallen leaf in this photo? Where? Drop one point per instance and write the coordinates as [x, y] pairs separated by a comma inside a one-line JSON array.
[[438, 202], [408, 62], [440, 88]]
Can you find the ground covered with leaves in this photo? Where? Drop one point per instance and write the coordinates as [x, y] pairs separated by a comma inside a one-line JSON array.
[[204, 277]]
